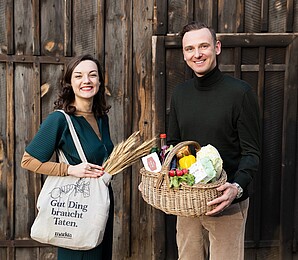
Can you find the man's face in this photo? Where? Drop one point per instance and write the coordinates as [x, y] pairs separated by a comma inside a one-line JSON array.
[[199, 51]]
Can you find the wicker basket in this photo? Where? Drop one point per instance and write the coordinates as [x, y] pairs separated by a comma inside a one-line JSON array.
[[184, 201]]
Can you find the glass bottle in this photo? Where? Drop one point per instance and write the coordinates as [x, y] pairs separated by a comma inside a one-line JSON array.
[[163, 147]]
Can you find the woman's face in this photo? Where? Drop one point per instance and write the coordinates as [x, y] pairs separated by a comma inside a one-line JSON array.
[[85, 80]]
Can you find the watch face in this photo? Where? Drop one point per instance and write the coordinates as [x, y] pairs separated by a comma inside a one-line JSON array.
[[240, 190]]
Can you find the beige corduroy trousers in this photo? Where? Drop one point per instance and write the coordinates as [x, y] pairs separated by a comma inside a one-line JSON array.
[[215, 238]]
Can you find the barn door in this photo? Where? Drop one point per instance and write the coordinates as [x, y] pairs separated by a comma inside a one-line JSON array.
[[269, 63]]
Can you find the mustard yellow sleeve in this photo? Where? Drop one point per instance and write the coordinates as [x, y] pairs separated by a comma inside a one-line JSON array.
[[49, 168]]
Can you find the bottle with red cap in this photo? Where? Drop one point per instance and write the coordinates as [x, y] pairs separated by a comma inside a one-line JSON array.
[[163, 147], [163, 140]]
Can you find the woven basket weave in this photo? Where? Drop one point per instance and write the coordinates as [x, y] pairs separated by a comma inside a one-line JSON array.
[[184, 201]]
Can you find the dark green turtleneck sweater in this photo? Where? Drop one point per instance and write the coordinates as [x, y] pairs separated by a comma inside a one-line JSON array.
[[220, 110]]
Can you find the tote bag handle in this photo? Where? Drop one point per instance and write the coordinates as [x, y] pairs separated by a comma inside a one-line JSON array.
[[74, 136]]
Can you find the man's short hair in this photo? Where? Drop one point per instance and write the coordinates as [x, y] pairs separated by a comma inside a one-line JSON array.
[[192, 26]]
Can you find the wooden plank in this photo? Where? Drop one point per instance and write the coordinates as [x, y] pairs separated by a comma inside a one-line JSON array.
[[5, 224], [49, 88], [10, 139], [3, 27], [9, 26], [35, 98], [290, 16], [3, 172], [36, 120], [67, 24], [203, 11], [84, 22], [226, 10], [257, 183], [256, 40], [262, 244], [141, 218], [160, 20], [21, 243], [36, 26], [289, 154], [100, 25], [158, 83], [190, 12], [26, 115], [179, 13], [240, 16], [52, 28], [272, 144], [264, 15], [158, 127], [261, 80], [31, 59], [213, 15], [51, 74], [277, 16], [252, 16], [119, 87], [242, 40], [24, 36]]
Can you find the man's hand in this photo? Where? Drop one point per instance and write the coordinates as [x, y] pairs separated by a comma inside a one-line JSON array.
[[229, 194]]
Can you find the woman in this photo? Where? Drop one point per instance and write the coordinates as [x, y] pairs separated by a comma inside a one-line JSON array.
[[83, 98]]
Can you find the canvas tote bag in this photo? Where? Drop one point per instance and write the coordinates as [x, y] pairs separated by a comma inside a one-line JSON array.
[[72, 212]]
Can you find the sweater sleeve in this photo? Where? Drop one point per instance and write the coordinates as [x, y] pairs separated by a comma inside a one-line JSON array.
[[40, 150], [46, 141], [49, 168], [173, 131], [249, 135]]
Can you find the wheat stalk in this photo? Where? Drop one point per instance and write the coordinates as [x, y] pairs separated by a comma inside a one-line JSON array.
[[127, 152]]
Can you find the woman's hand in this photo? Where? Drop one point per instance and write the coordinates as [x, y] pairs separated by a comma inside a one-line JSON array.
[[229, 194], [84, 170]]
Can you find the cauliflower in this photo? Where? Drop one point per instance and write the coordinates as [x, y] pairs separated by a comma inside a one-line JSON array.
[[211, 161]]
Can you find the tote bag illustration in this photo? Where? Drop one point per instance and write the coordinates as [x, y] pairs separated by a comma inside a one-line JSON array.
[[72, 212]]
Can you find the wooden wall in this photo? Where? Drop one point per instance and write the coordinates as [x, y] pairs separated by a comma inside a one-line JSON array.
[[137, 44]]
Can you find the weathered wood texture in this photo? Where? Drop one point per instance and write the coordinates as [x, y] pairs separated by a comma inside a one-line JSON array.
[[118, 66], [138, 46]]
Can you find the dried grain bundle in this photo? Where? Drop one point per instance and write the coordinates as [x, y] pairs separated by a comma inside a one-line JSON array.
[[127, 153]]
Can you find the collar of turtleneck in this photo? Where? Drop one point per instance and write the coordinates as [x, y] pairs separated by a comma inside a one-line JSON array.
[[208, 80]]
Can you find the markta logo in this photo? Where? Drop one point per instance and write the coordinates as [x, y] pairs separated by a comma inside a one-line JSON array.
[[63, 235]]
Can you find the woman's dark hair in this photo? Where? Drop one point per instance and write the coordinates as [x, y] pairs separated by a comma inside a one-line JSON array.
[[192, 26], [66, 96]]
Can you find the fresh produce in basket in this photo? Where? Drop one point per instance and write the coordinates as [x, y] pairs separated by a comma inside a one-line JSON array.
[[208, 166], [187, 200], [187, 161], [178, 176], [210, 153], [181, 174]]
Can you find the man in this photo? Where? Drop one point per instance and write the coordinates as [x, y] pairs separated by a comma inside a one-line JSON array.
[[217, 109]]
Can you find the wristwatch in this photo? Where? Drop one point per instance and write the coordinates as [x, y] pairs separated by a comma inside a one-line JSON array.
[[240, 190]]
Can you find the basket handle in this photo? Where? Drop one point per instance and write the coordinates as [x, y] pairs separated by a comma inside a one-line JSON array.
[[166, 165]]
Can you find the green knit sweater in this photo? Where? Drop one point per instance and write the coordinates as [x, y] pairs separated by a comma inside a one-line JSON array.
[[54, 134], [220, 110]]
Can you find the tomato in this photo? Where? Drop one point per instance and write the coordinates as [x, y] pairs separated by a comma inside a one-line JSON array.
[[172, 173], [179, 172], [185, 171]]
